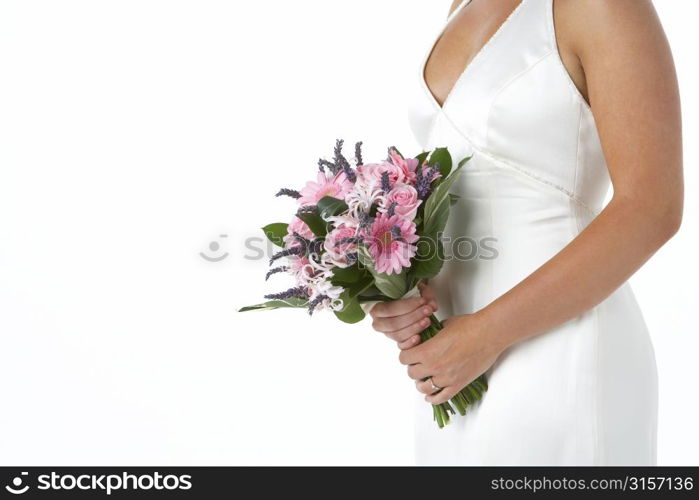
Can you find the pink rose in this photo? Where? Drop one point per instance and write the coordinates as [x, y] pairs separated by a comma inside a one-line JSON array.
[[407, 166], [406, 200], [371, 173], [301, 228], [400, 170]]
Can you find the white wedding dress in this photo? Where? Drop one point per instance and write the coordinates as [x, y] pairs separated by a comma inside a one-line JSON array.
[[584, 393]]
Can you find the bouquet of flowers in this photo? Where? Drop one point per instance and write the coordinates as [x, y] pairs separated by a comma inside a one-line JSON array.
[[367, 232]]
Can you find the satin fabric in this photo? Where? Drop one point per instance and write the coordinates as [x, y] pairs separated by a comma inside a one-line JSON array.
[[584, 393]]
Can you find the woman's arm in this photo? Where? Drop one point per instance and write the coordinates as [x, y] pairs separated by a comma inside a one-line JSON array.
[[632, 88], [454, 5]]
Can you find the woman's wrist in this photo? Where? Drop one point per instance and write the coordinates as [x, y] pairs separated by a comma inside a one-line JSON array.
[[479, 328], [490, 330]]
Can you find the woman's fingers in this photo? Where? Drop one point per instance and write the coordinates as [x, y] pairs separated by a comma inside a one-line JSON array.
[[425, 386], [397, 307], [411, 342], [403, 320], [409, 331], [395, 324], [428, 293], [418, 371], [442, 396]]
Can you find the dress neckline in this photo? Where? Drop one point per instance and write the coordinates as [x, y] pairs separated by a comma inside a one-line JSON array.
[[478, 54]]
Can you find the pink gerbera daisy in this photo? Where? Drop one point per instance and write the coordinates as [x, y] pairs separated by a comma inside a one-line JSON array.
[[391, 242], [336, 186]]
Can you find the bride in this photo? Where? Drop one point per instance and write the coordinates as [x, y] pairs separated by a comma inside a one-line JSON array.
[[556, 101]]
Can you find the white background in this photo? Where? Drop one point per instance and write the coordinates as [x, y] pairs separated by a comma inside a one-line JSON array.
[[134, 133]]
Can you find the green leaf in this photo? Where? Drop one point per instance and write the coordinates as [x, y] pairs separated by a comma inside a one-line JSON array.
[[463, 161], [421, 157], [329, 206], [393, 285], [351, 311], [314, 223], [276, 304], [438, 220], [373, 298], [370, 293], [355, 289], [275, 232], [429, 259], [441, 156], [437, 205], [350, 274]]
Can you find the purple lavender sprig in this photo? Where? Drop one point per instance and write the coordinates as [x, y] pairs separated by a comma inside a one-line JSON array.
[[307, 208], [275, 270], [342, 163], [350, 239], [295, 292], [385, 182], [351, 258], [309, 248], [351, 176], [365, 220], [297, 250], [322, 163], [423, 180], [339, 157], [292, 193], [358, 153], [316, 302], [315, 248], [305, 242]]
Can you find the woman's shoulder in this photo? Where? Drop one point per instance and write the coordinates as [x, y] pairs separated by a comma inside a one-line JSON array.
[[593, 21]]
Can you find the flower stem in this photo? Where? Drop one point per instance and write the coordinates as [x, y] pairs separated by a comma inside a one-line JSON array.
[[462, 399]]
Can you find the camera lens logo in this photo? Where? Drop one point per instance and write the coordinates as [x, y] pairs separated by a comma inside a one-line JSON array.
[[215, 246], [16, 487]]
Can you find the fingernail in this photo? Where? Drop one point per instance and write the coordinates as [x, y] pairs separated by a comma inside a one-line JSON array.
[[425, 322], [427, 310]]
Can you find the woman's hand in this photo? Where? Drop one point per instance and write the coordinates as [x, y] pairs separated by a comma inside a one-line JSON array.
[[453, 358], [402, 320]]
